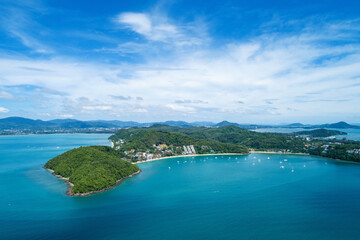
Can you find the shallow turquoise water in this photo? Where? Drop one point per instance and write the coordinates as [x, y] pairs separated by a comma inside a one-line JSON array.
[[237, 197]]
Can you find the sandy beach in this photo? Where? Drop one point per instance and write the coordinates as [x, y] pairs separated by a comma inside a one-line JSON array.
[[216, 154], [190, 155]]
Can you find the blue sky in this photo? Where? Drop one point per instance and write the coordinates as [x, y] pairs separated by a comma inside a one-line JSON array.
[[243, 61]]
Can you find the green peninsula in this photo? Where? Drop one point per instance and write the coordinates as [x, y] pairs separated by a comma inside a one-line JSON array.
[[91, 169], [157, 141], [139, 144]]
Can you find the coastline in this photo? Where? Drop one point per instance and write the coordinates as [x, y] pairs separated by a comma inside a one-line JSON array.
[[190, 155], [70, 193], [256, 152], [118, 182], [307, 154]]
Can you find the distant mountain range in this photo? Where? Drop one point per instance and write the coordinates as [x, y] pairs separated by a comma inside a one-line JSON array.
[[19, 123]]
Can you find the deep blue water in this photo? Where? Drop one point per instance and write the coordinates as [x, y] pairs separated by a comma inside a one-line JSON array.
[[352, 134], [237, 197]]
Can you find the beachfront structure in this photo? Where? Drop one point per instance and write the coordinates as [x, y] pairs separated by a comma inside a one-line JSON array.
[[185, 150], [189, 149], [193, 149]]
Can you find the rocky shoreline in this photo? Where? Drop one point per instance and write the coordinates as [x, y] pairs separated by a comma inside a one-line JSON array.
[[70, 193]]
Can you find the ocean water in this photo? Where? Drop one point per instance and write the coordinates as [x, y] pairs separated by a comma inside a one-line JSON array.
[[207, 197], [352, 134]]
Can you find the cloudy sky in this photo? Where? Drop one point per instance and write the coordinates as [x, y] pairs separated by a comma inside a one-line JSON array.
[[243, 61]]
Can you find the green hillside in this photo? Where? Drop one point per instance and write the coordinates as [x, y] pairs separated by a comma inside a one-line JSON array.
[[321, 133], [232, 136], [91, 168], [240, 136], [143, 139]]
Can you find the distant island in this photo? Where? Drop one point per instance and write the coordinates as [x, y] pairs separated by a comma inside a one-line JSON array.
[[94, 169], [89, 170], [320, 133]]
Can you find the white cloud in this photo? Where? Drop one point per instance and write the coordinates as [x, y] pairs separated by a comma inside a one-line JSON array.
[[17, 22], [97, 108], [251, 73], [159, 28], [138, 22], [4, 110], [180, 108], [6, 95], [65, 115]]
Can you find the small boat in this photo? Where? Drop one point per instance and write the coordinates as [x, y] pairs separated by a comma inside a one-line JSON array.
[[282, 167]]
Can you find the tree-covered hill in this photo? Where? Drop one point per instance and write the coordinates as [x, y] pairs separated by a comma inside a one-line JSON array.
[[237, 135], [143, 139], [91, 168], [320, 133]]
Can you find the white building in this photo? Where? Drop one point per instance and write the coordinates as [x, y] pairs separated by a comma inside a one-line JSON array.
[[193, 149]]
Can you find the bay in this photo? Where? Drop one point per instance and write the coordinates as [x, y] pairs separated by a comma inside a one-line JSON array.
[[205, 197]]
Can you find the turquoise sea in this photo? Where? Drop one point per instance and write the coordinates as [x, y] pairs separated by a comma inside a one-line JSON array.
[[208, 197]]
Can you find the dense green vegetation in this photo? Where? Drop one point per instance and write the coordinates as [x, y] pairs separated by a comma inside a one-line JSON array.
[[320, 133], [239, 136], [143, 139], [337, 151], [91, 168], [99, 167]]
